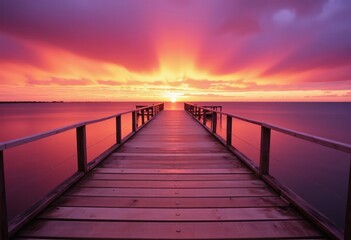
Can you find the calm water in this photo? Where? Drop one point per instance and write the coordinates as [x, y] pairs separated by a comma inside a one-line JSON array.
[[317, 173]]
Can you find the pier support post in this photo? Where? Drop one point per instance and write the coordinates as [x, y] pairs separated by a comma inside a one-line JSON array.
[[264, 151], [214, 122], [204, 117], [118, 129], [4, 229], [82, 149], [229, 131]]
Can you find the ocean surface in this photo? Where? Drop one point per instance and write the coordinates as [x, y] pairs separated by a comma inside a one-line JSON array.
[[316, 173]]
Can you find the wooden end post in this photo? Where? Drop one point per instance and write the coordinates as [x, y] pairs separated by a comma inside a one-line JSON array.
[[214, 122], [264, 151], [4, 229], [134, 125], [118, 129], [229, 131], [347, 230], [82, 149]]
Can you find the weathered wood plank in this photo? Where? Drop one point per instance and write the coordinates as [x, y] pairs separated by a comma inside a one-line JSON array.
[[171, 230], [174, 158], [169, 214], [188, 155], [172, 171], [142, 192], [170, 177], [210, 161], [144, 202], [170, 165], [171, 184], [167, 150]]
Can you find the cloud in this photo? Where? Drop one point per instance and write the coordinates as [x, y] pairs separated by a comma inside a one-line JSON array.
[[15, 51], [109, 30], [220, 45], [284, 16], [109, 82], [60, 81]]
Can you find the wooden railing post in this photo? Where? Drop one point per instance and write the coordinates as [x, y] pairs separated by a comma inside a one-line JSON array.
[[142, 117], [264, 151], [118, 129], [229, 131], [204, 117], [4, 229], [214, 122], [148, 113], [82, 149], [347, 230], [134, 126]]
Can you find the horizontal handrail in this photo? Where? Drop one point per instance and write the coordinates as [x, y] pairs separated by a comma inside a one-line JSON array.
[[263, 168], [32, 138], [344, 147], [8, 229]]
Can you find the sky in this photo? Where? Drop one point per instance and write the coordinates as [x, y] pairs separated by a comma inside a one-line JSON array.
[[183, 50]]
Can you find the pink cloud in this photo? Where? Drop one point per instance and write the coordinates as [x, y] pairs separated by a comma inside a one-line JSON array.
[[60, 81], [309, 41]]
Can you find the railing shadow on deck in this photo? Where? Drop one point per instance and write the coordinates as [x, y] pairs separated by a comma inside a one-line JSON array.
[[203, 115], [140, 117]]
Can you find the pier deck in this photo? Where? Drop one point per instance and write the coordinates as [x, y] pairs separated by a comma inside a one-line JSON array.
[[172, 180]]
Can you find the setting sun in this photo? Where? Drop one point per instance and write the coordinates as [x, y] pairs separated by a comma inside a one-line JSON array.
[[173, 99]]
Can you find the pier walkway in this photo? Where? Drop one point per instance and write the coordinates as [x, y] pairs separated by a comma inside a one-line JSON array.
[[172, 180]]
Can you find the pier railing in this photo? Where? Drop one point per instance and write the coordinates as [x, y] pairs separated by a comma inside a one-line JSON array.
[[8, 228], [201, 114]]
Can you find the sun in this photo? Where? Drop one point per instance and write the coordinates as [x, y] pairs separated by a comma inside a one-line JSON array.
[[173, 96]]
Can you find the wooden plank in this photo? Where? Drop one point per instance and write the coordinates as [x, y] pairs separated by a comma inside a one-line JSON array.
[[142, 192], [171, 184], [143, 202], [163, 144], [174, 162], [169, 214], [170, 166], [166, 150], [171, 230], [169, 177], [172, 171], [220, 154], [175, 158]]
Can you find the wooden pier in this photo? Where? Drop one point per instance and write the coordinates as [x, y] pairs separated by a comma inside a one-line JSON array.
[[173, 180]]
